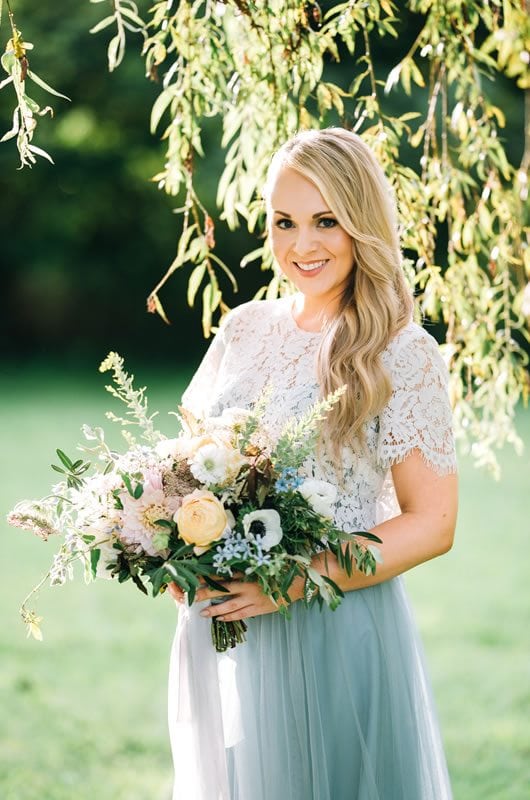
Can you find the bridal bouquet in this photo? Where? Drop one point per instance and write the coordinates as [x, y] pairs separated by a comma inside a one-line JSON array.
[[222, 498]]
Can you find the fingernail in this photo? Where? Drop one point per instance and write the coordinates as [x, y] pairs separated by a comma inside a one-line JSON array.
[[205, 613]]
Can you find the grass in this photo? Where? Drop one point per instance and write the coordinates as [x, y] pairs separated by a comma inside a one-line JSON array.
[[84, 712]]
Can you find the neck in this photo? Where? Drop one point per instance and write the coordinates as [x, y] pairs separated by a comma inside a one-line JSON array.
[[310, 312]]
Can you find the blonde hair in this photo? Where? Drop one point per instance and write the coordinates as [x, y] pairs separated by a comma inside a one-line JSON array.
[[377, 301]]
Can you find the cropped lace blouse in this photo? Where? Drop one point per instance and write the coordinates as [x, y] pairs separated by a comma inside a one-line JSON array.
[[259, 342]]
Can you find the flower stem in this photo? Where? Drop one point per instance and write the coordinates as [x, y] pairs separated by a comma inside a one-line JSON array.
[[227, 634]]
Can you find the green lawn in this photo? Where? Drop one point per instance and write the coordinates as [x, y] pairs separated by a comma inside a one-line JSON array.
[[84, 712]]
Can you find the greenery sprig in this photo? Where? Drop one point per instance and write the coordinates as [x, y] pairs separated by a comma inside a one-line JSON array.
[[135, 400], [299, 437], [15, 62], [125, 17]]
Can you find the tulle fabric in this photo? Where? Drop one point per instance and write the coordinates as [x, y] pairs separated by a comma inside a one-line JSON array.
[[335, 705]]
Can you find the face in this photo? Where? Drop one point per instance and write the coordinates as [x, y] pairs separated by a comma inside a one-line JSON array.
[[310, 246]]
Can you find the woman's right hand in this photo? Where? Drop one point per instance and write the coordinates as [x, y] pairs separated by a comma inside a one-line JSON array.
[[176, 592]]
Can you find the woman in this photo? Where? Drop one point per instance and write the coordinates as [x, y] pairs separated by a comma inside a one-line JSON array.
[[335, 705]]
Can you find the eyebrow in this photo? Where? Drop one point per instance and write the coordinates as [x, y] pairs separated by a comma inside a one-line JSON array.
[[318, 214]]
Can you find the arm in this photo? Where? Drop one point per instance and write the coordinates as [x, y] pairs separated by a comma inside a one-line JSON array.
[[424, 529], [416, 442]]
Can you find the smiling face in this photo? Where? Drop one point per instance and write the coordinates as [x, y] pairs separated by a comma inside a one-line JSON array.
[[311, 248]]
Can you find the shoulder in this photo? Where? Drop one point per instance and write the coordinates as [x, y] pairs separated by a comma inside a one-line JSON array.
[[414, 352], [251, 314]]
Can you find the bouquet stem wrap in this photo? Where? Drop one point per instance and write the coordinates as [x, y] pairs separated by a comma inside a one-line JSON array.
[[203, 709]]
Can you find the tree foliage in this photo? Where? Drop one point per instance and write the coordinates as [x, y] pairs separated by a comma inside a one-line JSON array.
[[268, 69]]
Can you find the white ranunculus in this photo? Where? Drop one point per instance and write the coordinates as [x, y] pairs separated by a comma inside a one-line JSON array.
[[320, 495], [267, 526], [215, 463], [166, 448], [174, 448]]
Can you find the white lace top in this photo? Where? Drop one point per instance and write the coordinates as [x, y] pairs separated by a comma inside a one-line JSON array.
[[259, 341]]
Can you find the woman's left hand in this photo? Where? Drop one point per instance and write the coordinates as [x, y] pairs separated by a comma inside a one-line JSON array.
[[247, 600]]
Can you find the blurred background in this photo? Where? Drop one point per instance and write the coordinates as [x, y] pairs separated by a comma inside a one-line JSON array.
[[82, 244]]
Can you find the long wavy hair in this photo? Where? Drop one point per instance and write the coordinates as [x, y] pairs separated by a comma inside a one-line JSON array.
[[377, 301]]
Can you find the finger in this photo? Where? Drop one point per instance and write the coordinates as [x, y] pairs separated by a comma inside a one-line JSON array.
[[246, 612], [220, 609], [209, 594], [175, 592]]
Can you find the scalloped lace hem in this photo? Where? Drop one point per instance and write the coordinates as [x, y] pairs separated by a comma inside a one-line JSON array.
[[440, 463]]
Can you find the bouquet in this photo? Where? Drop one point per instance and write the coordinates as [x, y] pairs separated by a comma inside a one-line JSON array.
[[220, 499]]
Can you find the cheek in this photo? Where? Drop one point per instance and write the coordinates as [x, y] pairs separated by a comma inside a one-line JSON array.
[[278, 243], [343, 246]]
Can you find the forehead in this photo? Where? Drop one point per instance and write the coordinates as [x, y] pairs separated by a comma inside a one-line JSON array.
[[291, 191]]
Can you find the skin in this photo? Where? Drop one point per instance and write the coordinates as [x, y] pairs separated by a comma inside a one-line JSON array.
[[428, 502]]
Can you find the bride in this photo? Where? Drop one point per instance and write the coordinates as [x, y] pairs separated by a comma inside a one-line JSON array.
[[328, 705]]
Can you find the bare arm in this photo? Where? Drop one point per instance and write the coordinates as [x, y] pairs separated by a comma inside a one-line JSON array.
[[424, 529]]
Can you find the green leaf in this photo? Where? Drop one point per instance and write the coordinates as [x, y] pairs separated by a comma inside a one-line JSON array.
[[165, 523], [158, 579], [104, 23], [113, 52], [64, 459], [38, 151], [376, 552], [159, 107], [214, 585], [136, 580], [8, 61], [252, 256], [189, 576], [194, 282], [127, 481], [132, 16], [45, 86], [138, 491], [94, 558]]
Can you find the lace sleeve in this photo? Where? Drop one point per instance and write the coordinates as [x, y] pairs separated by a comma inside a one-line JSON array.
[[418, 414], [196, 397]]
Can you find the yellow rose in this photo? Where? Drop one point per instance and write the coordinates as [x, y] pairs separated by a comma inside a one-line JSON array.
[[201, 519]]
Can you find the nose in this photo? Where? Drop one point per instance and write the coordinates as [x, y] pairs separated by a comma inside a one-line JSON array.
[[305, 241]]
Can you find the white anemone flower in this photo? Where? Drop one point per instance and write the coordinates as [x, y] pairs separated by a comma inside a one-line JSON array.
[[265, 524], [320, 495]]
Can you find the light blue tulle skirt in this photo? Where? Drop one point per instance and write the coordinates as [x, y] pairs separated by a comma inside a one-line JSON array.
[[336, 705]]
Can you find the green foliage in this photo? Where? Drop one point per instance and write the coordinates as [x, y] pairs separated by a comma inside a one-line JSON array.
[[299, 436], [72, 470], [15, 62], [126, 18], [262, 69], [134, 399]]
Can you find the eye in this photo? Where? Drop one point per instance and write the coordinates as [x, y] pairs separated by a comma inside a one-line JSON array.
[[328, 222], [279, 224]]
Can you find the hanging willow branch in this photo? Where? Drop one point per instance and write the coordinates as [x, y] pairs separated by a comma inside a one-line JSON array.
[[262, 69], [15, 62]]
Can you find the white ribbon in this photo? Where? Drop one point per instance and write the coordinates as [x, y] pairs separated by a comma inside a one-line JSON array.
[[203, 709]]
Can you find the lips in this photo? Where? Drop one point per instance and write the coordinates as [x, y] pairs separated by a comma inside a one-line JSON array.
[[310, 268]]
